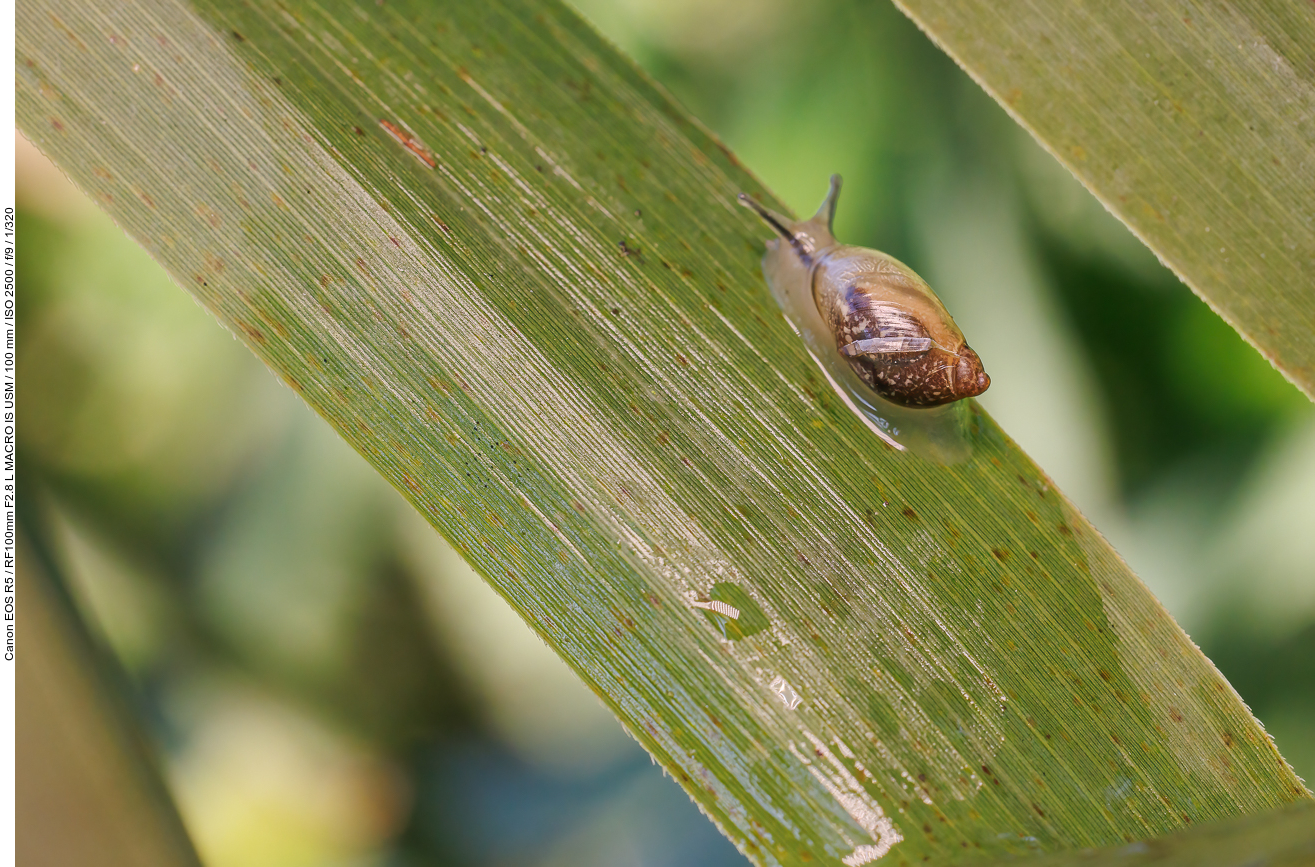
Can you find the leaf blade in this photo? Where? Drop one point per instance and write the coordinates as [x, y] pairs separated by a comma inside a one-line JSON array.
[[1285, 836], [1193, 126]]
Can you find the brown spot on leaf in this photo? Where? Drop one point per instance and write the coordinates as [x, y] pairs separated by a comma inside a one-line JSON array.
[[208, 214], [408, 141], [251, 331]]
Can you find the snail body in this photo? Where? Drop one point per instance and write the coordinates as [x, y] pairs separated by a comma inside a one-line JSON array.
[[883, 320]]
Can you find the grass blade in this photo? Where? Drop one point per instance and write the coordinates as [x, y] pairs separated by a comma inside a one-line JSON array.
[[88, 792], [1193, 123], [1278, 838]]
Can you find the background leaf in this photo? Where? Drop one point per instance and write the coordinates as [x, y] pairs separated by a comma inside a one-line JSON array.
[[609, 432], [90, 791], [1283, 838], [1193, 123]]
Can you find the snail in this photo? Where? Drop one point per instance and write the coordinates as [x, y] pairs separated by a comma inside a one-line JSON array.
[[886, 323]]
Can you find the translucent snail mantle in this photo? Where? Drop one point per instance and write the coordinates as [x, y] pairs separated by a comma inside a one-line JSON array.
[[886, 322]]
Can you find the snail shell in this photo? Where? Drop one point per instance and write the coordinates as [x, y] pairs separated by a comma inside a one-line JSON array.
[[887, 323]]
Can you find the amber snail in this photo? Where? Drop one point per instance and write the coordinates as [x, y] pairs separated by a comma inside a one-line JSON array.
[[886, 322]]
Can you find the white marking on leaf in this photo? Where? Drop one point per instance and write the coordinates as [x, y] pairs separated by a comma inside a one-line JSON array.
[[720, 607], [842, 785], [785, 693]]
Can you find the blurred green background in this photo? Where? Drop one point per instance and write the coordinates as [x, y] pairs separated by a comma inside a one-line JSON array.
[[330, 685]]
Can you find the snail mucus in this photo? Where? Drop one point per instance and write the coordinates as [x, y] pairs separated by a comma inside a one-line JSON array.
[[885, 322]]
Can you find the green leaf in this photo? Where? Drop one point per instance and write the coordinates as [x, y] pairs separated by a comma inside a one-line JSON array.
[[89, 791], [1278, 838], [513, 275], [1194, 123]]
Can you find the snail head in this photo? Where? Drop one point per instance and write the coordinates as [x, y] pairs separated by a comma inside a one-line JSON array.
[[970, 377]]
